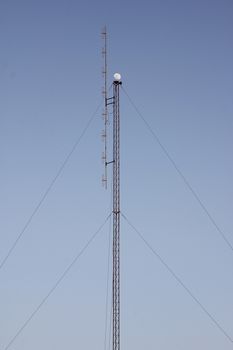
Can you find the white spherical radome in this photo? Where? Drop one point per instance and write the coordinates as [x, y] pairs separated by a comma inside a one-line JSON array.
[[117, 77]]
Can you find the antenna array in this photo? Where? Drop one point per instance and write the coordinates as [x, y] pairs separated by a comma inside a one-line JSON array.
[[105, 110]]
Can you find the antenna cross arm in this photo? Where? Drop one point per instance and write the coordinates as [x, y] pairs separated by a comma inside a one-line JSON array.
[[112, 161], [109, 101]]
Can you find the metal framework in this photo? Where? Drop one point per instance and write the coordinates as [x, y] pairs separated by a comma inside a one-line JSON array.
[[116, 218], [114, 101]]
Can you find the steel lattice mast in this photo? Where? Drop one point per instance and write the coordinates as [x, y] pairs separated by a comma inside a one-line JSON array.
[[114, 101], [116, 214]]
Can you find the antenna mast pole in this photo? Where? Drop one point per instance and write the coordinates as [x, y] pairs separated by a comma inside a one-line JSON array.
[[116, 212], [105, 111]]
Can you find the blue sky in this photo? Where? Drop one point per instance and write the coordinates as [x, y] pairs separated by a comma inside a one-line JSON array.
[[175, 58]]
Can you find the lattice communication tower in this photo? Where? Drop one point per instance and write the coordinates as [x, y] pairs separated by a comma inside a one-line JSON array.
[[115, 102]]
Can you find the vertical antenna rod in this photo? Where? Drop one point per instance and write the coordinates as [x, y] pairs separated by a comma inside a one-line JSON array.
[[105, 111], [116, 213]]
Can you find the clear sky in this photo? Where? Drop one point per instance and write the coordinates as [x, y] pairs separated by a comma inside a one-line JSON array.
[[175, 58]]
